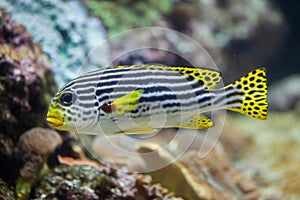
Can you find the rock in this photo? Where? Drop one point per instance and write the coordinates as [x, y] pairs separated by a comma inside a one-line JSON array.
[[272, 157], [155, 45], [212, 177], [89, 182], [239, 36], [40, 141], [285, 94], [35, 146], [118, 151], [173, 160], [66, 32], [235, 143]]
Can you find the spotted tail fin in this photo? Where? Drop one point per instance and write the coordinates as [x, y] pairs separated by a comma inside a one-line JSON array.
[[253, 88]]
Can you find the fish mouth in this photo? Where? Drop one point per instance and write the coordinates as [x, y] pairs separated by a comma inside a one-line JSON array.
[[54, 121]]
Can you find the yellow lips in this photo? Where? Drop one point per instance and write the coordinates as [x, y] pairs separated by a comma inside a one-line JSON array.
[[55, 118], [54, 122]]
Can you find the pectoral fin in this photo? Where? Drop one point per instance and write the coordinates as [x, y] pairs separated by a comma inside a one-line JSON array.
[[123, 104], [197, 122]]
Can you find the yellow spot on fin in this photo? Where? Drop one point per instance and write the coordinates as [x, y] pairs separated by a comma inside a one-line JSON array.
[[139, 131], [254, 87], [209, 77], [197, 122], [126, 103]]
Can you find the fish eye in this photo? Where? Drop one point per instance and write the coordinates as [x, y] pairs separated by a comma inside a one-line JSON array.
[[66, 98]]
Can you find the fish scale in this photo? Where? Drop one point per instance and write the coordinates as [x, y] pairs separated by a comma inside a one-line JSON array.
[[138, 98], [150, 84]]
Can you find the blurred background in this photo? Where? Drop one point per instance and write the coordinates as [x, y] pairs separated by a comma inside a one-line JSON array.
[[253, 159]]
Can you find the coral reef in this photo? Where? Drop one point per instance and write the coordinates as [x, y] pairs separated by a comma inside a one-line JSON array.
[[89, 182], [66, 33], [27, 83], [26, 87], [253, 160]]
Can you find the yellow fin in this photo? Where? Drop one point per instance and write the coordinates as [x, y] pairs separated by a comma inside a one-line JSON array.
[[209, 77], [254, 87], [126, 103], [197, 122], [139, 131]]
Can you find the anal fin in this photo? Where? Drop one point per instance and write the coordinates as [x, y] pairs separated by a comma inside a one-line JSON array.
[[197, 122], [139, 131]]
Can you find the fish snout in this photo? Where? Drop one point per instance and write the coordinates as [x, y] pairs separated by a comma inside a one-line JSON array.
[[54, 118]]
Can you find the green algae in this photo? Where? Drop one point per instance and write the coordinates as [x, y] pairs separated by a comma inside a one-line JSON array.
[[122, 15]]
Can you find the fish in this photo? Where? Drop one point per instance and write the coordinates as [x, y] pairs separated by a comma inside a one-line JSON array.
[[140, 99]]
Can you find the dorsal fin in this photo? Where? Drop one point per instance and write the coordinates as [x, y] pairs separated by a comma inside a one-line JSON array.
[[209, 77]]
